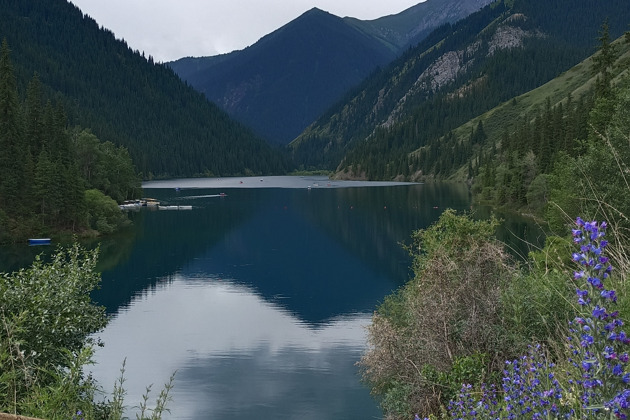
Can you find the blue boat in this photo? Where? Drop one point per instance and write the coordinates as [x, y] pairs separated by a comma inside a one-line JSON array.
[[39, 241]]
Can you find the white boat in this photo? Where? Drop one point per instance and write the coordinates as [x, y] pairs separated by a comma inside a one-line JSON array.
[[175, 207]]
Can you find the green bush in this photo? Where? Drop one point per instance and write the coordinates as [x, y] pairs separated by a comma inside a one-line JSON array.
[[47, 321], [447, 315], [104, 215]]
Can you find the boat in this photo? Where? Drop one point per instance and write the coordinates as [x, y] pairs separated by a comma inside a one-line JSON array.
[[39, 241], [175, 207], [130, 205], [151, 202]]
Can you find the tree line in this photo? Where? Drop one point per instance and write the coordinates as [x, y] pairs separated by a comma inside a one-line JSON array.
[[54, 178], [535, 166]]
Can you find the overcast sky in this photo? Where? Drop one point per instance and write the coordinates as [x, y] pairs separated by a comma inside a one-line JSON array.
[[171, 29]]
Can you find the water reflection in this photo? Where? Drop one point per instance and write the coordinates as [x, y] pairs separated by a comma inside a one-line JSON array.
[[237, 355], [332, 250]]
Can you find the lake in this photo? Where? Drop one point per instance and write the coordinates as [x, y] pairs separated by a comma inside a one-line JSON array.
[[258, 297]]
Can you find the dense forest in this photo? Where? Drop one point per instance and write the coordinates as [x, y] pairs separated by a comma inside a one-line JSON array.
[[54, 178], [127, 98]]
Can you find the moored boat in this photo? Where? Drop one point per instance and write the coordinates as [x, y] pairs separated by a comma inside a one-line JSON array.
[[151, 202], [39, 241], [175, 207]]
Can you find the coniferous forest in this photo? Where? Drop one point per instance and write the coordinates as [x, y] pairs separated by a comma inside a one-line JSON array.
[[125, 97], [476, 335], [397, 124], [53, 178]]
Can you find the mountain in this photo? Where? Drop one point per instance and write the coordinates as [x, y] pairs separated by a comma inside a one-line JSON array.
[[412, 25], [283, 82], [393, 124], [127, 98]]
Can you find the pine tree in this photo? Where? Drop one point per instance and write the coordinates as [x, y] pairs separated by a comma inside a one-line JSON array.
[[604, 61], [12, 151]]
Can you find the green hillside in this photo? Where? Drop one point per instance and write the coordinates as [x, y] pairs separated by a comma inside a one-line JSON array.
[[125, 97], [577, 82]]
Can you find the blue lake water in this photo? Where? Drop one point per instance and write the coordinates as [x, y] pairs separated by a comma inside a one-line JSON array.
[[259, 298]]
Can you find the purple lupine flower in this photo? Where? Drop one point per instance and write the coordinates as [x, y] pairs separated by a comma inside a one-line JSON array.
[[530, 389], [599, 312], [609, 294]]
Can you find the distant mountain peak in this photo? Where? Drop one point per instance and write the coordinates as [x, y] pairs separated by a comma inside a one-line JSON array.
[[315, 10]]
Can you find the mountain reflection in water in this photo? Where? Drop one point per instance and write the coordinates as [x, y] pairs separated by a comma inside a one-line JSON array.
[[237, 355]]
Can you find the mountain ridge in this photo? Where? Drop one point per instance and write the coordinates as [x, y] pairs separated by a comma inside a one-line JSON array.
[[410, 26], [283, 82]]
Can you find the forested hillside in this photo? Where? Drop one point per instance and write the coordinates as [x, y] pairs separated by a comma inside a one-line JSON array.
[[53, 179], [125, 97], [474, 334], [393, 124]]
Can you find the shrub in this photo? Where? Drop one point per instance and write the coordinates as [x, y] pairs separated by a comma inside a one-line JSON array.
[[47, 318], [449, 310], [47, 321], [104, 215]]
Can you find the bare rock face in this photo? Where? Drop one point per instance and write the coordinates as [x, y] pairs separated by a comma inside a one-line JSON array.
[[444, 70], [452, 64]]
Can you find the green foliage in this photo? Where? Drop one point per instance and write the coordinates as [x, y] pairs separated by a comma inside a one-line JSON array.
[[67, 392], [434, 329], [47, 319], [471, 369], [538, 193], [396, 399], [106, 167], [103, 213], [47, 168], [595, 183], [604, 61], [535, 305], [12, 158], [126, 98], [466, 310]]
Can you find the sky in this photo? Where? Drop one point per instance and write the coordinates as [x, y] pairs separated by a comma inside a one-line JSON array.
[[172, 29]]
